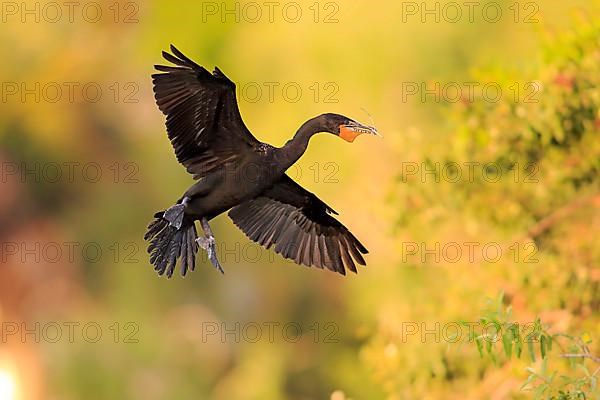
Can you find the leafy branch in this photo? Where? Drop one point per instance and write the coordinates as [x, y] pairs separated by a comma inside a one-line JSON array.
[[544, 382]]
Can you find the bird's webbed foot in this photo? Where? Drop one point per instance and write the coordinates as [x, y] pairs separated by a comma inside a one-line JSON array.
[[175, 214], [208, 243]]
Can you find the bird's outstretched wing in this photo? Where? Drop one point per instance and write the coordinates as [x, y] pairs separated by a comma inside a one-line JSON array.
[[300, 227], [203, 119]]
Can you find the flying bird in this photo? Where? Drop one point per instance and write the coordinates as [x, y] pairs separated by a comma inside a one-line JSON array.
[[236, 172]]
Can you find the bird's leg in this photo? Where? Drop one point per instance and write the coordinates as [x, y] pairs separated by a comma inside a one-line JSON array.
[[208, 243]]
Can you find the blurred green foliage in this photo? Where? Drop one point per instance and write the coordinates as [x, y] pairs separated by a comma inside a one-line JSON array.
[[541, 193]]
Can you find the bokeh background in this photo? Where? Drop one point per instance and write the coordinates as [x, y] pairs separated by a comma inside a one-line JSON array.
[[86, 162]]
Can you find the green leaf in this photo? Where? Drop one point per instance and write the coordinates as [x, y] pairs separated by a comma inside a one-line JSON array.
[[531, 350], [507, 344], [518, 348], [543, 346], [479, 346], [529, 380], [488, 345], [515, 332]]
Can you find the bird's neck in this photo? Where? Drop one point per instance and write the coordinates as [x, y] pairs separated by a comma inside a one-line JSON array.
[[295, 147]]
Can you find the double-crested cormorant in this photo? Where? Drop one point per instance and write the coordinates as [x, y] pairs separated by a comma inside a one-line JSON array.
[[237, 172]]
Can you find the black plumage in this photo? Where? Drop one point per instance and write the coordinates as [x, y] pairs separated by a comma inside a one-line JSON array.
[[236, 172]]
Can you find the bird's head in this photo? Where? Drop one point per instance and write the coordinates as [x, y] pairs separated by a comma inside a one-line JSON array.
[[344, 127]]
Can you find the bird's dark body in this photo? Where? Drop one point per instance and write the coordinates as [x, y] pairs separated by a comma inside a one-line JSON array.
[[230, 186], [236, 172]]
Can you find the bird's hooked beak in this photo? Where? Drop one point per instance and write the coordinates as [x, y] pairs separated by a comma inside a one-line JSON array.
[[353, 129]]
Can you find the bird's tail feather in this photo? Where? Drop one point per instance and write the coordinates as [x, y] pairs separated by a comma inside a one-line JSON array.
[[169, 243]]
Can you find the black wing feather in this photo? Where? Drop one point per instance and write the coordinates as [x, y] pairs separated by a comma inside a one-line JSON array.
[[203, 119], [299, 227]]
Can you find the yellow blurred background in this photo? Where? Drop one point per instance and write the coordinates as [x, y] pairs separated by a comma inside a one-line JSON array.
[[86, 162]]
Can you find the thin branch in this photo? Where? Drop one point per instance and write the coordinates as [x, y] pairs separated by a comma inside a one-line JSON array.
[[546, 223], [584, 355]]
